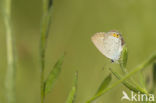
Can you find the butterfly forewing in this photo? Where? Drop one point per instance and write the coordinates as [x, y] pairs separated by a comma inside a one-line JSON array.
[[98, 41]]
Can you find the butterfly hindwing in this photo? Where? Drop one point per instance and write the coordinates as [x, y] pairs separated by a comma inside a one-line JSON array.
[[108, 45]]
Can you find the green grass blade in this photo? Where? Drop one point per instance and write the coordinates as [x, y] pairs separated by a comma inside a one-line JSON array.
[[54, 74], [104, 84], [46, 21], [154, 73], [154, 79], [127, 84], [141, 79], [11, 70], [137, 69], [72, 94], [123, 58]]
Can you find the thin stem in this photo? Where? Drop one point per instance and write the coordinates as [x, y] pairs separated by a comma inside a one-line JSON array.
[[10, 74], [131, 78], [140, 67], [43, 42]]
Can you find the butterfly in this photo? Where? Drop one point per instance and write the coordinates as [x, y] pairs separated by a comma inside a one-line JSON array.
[[109, 44]]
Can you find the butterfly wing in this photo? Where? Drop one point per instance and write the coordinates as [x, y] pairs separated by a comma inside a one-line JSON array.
[[98, 40], [107, 45], [112, 47]]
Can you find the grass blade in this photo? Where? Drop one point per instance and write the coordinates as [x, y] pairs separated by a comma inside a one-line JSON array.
[[104, 84], [10, 74], [46, 21], [49, 83], [123, 58], [154, 74], [137, 69], [72, 94], [135, 88], [154, 79], [141, 79]]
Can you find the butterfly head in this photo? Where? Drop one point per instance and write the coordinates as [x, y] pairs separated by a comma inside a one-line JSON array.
[[115, 34]]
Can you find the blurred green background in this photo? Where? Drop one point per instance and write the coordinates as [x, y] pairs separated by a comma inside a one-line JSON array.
[[73, 23]]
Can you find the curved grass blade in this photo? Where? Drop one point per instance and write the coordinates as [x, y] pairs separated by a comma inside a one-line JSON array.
[[137, 69], [49, 83], [135, 88], [104, 84], [72, 94]]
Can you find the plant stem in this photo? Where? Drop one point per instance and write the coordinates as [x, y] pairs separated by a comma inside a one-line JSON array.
[[43, 41], [140, 67], [10, 74]]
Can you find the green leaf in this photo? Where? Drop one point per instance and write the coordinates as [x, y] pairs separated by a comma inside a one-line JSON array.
[[126, 83], [154, 73], [72, 94], [49, 83], [105, 83], [137, 69], [141, 79], [123, 58]]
